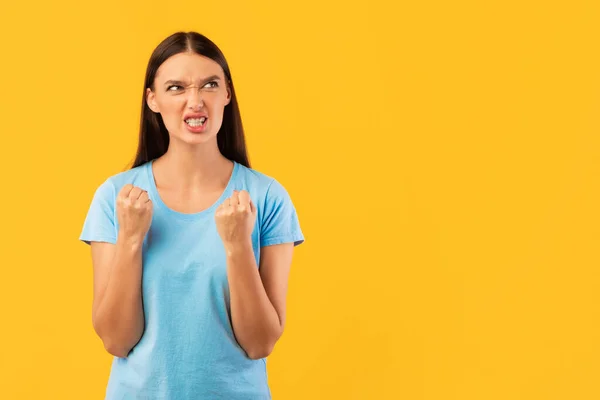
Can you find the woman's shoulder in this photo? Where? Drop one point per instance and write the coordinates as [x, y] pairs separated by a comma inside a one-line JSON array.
[[263, 185], [137, 176], [254, 177]]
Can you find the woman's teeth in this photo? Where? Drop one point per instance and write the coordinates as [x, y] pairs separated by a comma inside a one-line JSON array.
[[195, 121]]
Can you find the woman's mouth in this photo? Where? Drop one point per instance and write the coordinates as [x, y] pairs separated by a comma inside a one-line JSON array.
[[196, 124]]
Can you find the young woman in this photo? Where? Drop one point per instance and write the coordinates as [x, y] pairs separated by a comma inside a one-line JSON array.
[[191, 248]]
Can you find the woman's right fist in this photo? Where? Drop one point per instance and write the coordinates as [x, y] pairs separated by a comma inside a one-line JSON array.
[[134, 211]]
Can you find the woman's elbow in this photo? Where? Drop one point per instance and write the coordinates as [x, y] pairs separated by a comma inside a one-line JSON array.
[[264, 349], [115, 349], [113, 342], [112, 345], [261, 350]]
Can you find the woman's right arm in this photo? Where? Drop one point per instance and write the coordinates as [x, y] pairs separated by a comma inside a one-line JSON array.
[[117, 310]]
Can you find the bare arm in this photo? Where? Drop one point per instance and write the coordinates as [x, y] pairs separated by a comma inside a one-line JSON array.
[[258, 298], [117, 312]]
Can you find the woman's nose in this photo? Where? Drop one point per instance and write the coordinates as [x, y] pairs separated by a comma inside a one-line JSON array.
[[194, 99]]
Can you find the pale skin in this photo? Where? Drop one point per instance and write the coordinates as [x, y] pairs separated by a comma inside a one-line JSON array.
[[190, 177]]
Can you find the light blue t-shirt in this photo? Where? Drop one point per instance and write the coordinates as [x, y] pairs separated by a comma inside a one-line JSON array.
[[188, 349]]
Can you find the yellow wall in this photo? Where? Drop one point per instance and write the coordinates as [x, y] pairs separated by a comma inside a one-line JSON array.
[[443, 157]]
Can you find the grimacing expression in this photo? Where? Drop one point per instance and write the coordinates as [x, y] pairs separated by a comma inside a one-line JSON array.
[[190, 93]]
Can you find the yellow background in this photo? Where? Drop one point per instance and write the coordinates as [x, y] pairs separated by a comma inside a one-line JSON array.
[[443, 157]]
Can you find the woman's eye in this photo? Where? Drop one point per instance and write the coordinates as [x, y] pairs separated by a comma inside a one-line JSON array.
[[176, 88]]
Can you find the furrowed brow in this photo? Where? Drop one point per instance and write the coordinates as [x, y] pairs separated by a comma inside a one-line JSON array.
[[181, 83]]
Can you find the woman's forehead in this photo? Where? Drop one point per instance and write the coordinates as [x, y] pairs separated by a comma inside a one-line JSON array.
[[188, 67]]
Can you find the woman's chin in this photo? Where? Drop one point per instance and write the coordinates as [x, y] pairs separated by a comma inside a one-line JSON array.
[[196, 138]]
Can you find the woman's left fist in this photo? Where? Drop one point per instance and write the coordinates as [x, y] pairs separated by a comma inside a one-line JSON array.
[[235, 218]]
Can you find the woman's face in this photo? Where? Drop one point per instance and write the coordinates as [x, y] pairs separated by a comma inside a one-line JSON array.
[[190, 93]]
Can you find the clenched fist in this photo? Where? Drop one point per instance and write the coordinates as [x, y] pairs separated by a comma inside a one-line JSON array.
[[134, 212], [235, 219]]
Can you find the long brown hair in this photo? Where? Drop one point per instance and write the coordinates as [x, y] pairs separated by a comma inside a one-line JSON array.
[[154, 137]]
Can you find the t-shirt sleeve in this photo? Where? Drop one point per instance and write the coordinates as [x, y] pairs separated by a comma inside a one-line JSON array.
[[99, 224], [279, 220]]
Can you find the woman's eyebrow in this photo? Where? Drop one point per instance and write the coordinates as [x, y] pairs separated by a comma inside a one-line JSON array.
[[178, 82]]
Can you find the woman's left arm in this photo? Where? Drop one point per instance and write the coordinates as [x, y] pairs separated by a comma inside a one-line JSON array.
[[258, 297]]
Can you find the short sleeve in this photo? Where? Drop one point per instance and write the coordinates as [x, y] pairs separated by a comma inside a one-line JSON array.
[[99, 224], [279, 220]]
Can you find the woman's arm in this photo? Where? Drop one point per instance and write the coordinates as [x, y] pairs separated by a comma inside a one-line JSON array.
[[117, 312], [258, 297]]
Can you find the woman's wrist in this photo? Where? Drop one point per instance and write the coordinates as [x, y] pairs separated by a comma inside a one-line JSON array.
[[238, 248]]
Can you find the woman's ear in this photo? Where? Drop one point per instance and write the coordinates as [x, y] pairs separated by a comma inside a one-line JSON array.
[[228, 95], [151, 100]]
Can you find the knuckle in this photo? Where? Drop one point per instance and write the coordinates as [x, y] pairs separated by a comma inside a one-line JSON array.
[[125, 189]]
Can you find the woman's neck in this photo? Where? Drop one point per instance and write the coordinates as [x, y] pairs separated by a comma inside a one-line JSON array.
[[200, 167]]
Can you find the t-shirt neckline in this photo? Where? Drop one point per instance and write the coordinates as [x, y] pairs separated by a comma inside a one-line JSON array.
[[159, 202]]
